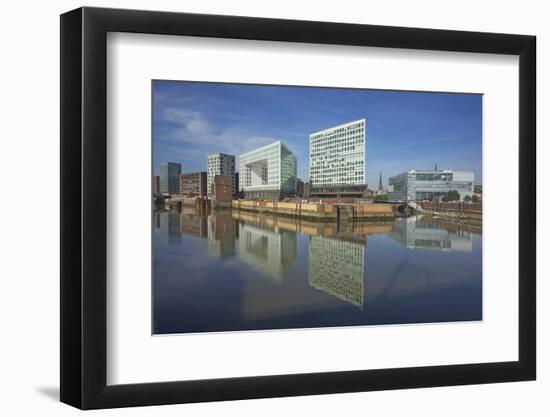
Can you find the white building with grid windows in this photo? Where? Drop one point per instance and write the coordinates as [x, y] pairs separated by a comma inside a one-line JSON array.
[[337, 164], [220, 164], [268, 172], [429, 184]]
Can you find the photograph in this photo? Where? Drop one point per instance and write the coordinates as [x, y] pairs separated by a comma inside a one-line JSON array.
[[337, 204], [296, 207]]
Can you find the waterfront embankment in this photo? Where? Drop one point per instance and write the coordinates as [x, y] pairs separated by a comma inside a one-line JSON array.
[[453, 210], [323, 212]]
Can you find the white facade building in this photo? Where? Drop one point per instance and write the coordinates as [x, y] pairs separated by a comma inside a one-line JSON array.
[[220, 164], [337, 162], [429, 184], [268, 172]]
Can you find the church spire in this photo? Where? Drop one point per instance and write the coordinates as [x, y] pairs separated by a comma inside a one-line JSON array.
[[380, 187]]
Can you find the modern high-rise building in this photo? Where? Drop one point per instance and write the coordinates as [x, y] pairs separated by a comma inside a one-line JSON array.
[[193, 184], [220, 164], [170, 177], [429, 184], [337, 164], [268, 172]]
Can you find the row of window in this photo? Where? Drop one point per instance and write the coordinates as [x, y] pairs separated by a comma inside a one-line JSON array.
[[353, 130]]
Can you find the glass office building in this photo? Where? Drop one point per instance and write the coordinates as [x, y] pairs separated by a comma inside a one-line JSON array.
[[220, 164], [337, 165], [430, 184], [268, 172], [169, 178]]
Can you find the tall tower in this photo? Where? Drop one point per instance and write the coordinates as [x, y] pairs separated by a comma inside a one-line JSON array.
[[331, 164], [169, 177], [380, 187]]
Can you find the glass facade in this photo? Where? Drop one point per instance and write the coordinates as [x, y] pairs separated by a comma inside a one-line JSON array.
[[267, 171], [337, 155], [170, 177], [430, 184]]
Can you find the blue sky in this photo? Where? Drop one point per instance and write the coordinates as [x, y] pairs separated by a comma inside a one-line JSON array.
[[405, 130]]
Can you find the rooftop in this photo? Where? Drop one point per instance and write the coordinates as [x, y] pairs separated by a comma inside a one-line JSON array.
[[338, 126]]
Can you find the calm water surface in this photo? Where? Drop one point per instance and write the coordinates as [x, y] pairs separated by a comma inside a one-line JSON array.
[[227, 270]]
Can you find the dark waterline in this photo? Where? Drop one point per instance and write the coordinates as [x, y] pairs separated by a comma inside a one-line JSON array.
[[226, 271]]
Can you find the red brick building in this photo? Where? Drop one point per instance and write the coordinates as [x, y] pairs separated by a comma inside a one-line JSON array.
[[223, 190], [193, 184]]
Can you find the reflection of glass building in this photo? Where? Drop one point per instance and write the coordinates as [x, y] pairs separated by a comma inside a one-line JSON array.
[[337, 160], [221, 234], [416, 234], [272, 253], [426, 185], [268, 172], [337, 267], [169, 178], [169, 225]]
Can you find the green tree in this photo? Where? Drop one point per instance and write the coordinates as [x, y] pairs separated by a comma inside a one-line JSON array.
[[452, 195], [475, 199], [381, 197], [467, 199]]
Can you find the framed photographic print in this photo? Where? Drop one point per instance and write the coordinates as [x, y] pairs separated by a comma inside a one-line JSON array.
[[258, 207]]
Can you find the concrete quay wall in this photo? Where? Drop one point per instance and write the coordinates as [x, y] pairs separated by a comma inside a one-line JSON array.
[[318, 212]]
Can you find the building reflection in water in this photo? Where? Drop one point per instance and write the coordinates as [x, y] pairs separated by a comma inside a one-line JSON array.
[[271, 252], [221, 234], [337, 252], [156, 219], [336, 262], [278, 272], [337, 267], [193, 222], [169, 226], [414, 233]]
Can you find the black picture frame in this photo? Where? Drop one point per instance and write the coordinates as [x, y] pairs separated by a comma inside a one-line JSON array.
[[84, 207]]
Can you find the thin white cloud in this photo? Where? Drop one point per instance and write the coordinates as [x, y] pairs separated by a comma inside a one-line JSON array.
[[192, 136]]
